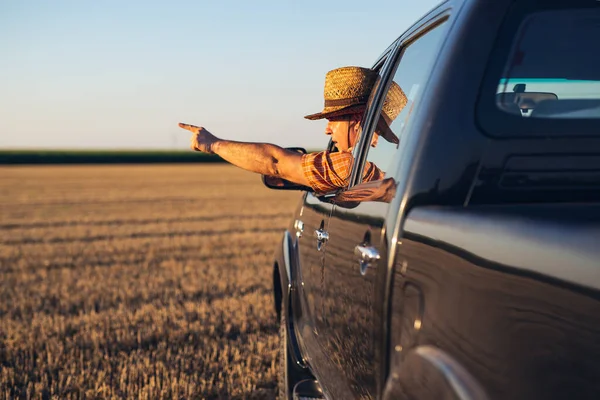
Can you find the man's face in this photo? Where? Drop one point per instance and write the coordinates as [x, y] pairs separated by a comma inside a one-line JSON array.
[[343, 131]]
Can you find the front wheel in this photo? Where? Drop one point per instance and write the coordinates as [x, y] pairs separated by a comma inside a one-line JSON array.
[[288, 372]]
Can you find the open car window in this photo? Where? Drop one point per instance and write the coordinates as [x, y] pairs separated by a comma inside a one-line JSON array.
[[402, 99]]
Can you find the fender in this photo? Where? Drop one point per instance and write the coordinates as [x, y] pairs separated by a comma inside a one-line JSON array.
[[285, 289]]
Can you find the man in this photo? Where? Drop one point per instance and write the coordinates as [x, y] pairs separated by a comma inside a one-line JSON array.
[[346, 94]]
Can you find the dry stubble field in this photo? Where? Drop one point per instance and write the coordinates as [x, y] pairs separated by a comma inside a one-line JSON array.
[[145, 281]]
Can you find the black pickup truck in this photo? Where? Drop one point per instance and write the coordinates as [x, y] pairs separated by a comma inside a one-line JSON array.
[[472, 270]]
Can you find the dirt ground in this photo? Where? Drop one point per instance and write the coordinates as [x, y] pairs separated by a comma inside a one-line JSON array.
[[138, 281]]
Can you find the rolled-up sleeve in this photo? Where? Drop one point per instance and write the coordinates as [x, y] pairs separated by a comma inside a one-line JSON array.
[[327, 171]]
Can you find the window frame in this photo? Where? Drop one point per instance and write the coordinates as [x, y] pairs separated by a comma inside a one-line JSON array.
[[499, 124], [375, 103]]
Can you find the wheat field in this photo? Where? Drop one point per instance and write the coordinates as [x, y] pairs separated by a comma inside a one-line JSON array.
[[138, 281]]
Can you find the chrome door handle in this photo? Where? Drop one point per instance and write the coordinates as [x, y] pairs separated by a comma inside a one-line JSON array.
[[322, 238], [367, 256], [299, 226]]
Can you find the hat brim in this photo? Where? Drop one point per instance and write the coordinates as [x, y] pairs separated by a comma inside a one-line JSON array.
[[384, 130], [336, 112]]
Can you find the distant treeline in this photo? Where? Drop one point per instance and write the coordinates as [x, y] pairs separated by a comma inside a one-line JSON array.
[[103, 157]]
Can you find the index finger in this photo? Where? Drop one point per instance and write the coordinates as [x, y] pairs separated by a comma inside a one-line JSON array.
[[191, 128]]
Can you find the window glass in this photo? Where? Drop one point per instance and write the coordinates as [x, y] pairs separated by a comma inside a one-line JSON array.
[[401, 100], [553, 69]]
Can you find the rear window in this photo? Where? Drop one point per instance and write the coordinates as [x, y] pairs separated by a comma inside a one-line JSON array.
[[544, 77], [553, 70]]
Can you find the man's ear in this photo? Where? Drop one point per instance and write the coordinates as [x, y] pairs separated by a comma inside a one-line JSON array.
[[356, 126], [354, 132]]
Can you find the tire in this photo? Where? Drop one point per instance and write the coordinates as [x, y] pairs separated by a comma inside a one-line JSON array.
[[288, 373]]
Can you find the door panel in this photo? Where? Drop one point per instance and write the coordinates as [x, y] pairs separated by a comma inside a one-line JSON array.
[[348, 327]]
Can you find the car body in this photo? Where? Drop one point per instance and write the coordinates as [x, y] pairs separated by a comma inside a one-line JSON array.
[[477, 273]]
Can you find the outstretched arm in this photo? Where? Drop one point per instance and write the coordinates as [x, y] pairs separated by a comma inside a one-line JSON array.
[[262, 158]]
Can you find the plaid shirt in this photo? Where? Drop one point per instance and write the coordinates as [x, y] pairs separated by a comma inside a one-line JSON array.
[[327, 171]]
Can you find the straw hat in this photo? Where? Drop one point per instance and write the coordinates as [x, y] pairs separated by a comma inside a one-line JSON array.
[[347, 91]]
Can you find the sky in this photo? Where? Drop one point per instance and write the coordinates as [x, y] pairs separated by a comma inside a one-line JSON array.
[[121, 74]]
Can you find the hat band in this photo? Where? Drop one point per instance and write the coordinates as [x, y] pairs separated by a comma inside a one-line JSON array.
[[346, 102]]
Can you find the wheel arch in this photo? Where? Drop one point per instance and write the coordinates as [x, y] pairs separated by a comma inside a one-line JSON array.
[[427, 372]]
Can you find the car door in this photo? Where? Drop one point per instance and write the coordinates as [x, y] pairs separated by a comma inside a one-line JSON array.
[[356, 258], [312, 227]]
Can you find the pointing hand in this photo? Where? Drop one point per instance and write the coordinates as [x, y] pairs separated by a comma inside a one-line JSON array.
[[201, 140]]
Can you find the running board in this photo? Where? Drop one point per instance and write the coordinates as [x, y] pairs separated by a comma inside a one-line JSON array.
[[307, 389]]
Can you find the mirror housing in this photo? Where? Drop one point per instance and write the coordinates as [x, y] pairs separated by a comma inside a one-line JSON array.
[[273, 182]]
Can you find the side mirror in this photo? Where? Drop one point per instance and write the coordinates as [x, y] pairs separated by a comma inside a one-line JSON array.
[[273, 182]]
